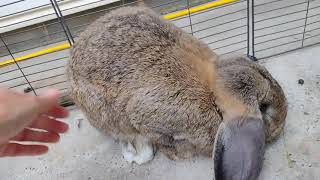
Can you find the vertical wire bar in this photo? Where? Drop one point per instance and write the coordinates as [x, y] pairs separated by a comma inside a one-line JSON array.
[[252, 31], [248, 28], [61, 20], [12, 56], [305, 24], [189, 14]]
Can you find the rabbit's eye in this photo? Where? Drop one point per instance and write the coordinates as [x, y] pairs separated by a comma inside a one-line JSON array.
[[267, 113], [263, 108]]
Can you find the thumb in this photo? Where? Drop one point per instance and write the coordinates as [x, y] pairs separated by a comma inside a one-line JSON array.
[[48, 100]]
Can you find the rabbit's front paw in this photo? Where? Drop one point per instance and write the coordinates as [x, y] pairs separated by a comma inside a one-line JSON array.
[[144, 155], [140, 152], [128, 151]]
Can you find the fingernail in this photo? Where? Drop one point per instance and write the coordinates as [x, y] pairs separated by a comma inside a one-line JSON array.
[[54, 137], [64, 128]]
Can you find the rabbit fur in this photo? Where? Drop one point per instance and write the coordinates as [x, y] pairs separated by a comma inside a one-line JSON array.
[[255, 87], [149, 84]]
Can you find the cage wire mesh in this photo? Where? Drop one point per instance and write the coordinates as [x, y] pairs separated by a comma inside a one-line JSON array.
[[284, 25], [260, 28]]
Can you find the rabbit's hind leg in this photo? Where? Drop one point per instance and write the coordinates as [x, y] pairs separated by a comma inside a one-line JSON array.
[[179, 149], [140, 150]]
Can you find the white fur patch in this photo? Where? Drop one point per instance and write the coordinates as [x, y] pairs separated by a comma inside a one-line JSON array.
[[141, 152], [128, 151]]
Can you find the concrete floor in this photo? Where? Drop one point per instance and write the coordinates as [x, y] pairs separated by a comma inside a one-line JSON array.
[[84, 154]]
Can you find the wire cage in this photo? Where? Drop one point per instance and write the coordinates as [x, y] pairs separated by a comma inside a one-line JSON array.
[[284, 25], [35, 42]]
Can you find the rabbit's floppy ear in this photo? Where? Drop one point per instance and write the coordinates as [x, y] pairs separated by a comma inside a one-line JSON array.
[[239, 149]]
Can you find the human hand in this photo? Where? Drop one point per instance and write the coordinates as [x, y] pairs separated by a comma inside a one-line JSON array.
[[20, 116]]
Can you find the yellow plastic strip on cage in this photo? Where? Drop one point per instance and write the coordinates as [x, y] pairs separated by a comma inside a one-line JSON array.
[[168, 16], [198, 8], [35, 54]]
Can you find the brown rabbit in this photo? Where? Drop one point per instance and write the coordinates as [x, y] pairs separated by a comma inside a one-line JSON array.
[[151, 85]]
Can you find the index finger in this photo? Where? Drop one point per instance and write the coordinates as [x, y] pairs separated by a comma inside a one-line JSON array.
[[58, 112]]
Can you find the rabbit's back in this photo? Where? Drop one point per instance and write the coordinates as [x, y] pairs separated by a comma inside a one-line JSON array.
[[136, 39], [132, 72]]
